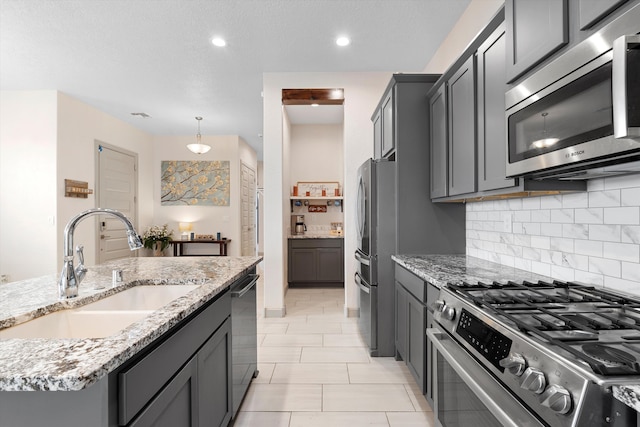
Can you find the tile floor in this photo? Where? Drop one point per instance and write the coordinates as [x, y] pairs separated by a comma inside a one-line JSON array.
[[316, 371]]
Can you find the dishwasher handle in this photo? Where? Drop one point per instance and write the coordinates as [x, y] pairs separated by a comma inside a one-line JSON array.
[[252, 282]]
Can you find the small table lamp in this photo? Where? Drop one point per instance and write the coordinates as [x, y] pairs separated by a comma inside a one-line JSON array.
[[185, 228]]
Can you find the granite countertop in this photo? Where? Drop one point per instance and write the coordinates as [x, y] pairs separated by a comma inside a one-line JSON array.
[[628, 394], [73, 364], [441, 269]]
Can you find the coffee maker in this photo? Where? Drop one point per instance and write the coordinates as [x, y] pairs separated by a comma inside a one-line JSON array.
[[297, 224]]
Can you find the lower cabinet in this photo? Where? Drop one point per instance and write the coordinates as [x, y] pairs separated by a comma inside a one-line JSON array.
[[413, 299], [316, 261], [186, 379]]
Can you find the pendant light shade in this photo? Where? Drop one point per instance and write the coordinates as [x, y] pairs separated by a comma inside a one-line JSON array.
[[198, 147]]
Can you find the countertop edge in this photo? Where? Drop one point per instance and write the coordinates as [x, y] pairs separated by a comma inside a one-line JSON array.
[[83, 362]]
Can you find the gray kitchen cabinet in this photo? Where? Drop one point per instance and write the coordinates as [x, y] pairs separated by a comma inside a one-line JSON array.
[[456, 135], [592, 11], [439, 142], [401, 321], [214, 379], [377, 135], [492, 134], [535, 30], [412, 155], [462, 130], [388, 124], [176, 404], [414, 296], [316, 261], [200, 390], [185, 377]]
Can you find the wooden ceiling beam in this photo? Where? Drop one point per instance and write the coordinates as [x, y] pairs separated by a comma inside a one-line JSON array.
[[313, 96]]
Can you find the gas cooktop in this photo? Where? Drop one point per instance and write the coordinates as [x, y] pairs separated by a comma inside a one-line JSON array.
[[595, 326]]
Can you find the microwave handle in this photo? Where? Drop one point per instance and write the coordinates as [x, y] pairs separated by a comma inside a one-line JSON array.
[[621, 77]]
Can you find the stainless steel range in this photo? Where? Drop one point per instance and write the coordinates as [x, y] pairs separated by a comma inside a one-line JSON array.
[[534, 354]]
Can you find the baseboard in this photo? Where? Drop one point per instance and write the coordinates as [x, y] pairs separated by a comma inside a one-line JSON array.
[[351, 312], [275, 312]]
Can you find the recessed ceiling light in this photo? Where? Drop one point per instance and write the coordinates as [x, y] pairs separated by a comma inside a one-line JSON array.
[[218, 41], [343, 41], [314, 105]]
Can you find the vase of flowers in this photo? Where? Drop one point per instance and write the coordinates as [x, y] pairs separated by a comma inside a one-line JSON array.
[[157, 238]]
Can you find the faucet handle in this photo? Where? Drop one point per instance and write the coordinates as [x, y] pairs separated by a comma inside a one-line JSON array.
[[81, 270], [80, 252]]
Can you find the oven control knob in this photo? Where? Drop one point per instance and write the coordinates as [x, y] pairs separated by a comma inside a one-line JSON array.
[[514, 363], [557, 398], [439, 305], [449, 313], [533, 380]]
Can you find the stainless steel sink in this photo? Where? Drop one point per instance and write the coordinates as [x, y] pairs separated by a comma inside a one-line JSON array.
[[102, 318]]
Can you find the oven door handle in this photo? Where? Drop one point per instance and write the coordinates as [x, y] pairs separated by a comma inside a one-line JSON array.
[[509, 412]]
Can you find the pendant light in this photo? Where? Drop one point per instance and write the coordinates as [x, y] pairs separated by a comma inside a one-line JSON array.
[[198, 147], [545, 141]]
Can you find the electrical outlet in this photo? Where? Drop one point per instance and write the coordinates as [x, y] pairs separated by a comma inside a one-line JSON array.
[[4, 278]]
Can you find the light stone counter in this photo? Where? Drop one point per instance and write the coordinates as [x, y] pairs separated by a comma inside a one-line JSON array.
[[441, 269], [628, 394], [315, 236], [74, 364]]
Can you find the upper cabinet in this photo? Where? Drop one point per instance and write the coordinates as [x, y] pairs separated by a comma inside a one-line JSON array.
[[388, 125], [592, 11], [491, 123], [438, 137], [384, 138], [538, 31], [462, 142], [377, 134], [468, 126], [535, 29]]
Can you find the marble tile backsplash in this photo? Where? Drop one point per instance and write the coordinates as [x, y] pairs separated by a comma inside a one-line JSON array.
[[591, 237]]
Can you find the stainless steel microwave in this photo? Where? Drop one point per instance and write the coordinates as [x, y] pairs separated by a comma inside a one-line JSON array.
[[581, 112]]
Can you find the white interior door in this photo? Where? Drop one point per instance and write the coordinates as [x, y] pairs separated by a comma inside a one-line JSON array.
[[117, 188], [248, 212]]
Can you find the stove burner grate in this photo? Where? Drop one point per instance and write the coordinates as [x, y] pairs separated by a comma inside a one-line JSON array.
[[499, 303], [611, 356]]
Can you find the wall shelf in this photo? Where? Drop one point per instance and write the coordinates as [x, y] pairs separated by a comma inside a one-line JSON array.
[[321, 198]]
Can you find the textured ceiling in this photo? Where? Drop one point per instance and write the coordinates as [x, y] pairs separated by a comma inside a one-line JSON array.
[[155, 56]]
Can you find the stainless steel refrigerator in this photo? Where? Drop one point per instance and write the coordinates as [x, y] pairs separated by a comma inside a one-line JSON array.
[[376, 234]]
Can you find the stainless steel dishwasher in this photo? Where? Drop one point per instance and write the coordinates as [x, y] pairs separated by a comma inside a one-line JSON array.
[[244, 342]]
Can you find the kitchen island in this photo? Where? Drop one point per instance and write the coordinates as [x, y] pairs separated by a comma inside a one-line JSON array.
[[84, 371]]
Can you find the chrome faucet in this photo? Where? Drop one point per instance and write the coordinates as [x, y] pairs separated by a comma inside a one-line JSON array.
[[71, 277]]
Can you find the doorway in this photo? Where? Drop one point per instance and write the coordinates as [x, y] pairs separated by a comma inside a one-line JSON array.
[[248, 212], [116, 188]]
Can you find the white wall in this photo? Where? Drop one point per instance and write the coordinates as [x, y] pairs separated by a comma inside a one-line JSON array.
[[591, 237], [28, 138], [205, 219], [362, 93], [475, 17], [48, 136], [316, 154], [79, 126]]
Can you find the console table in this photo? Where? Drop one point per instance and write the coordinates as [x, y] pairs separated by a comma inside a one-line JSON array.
[[179, 244]]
